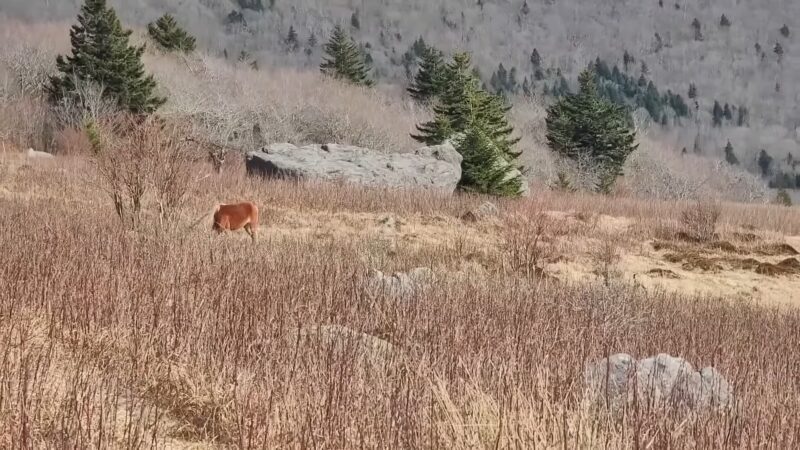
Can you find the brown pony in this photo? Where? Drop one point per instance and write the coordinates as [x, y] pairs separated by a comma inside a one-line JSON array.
[[235, 216]]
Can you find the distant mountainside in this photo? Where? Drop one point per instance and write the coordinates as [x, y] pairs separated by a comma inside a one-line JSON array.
[[741, 56]]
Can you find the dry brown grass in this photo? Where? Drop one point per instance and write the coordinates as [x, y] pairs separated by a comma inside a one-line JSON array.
[[141, 339]]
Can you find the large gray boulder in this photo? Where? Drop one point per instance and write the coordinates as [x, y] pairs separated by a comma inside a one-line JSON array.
[[656, 382], [435, 167]]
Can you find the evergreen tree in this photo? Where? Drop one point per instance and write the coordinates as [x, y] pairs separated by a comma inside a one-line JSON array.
[[255, 5], [345, 61], [664, 120], [724, 22], [730, 157], [692, 91], [645, 69], [311, 44], [778, 51], [101, 53], [764, 163], [717, 114], [169, 35], [727, 112], [525, 8], [742, 114], [785, 31], [484, 170], [584, 125], [527, 88], [354, 21], [627, 60], [782, 198], [698, 32], [429, 80], [536, 59], [477, 120], [292, 43]]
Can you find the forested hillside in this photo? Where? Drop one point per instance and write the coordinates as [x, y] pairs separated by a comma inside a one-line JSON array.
[[702, 74]]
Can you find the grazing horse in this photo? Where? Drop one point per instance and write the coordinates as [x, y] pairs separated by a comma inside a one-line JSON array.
[[235, 216]]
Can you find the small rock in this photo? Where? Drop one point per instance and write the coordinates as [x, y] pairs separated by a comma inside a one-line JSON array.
[[399, 284], [482, 212], [31, 153]]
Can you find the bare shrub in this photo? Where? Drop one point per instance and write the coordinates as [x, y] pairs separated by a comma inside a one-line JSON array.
[[30, 68], [87, 103], [134, 156], [526, 244], [605, 255], [699, 221]]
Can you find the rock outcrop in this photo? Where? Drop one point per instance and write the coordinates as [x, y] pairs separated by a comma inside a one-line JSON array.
[[655, 382], [435, 167]]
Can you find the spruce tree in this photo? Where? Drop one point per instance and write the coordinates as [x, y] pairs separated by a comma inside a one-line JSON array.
[[727, 113], [698, 32], [428, 82], [692, 91], [730, 157], [724, 22], [292, 43], [169, 35], [482, 134], [586, 126], [101, 54], [764, 163], [345, 60], [785, 31], [717, 114], [536, 59], [311, 44]]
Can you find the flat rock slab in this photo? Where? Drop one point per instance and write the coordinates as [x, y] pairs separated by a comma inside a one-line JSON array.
[[436, 167]]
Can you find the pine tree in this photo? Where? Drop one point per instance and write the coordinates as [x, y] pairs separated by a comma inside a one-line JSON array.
[[169, 35], [311, 44], [525, 8], [586, 126], [536, 59], [778, 51], [101, 53], [627, 60], [698, 32], [785, 31], [724, 22], [428, 81], [782, 198], [354, 21], [727, 113], [527, 88], [292, 43], [692, 91], [717, 114], [345, 61], [764, 163], [742, 114], [730, 157], [483, 168], [477, 121]]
